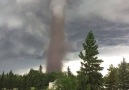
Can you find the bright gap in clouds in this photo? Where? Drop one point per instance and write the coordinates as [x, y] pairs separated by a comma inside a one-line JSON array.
[[115, 60], [73, 65]]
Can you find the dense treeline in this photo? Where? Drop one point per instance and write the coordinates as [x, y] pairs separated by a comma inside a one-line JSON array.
[[88, 77], [35, 78]]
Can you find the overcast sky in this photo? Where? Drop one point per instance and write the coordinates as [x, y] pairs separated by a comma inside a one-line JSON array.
[[24, 32]]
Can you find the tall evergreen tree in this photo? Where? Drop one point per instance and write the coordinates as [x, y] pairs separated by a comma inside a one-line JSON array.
[[40, 69], [69, 71], [123, 75], [89, 77], [111, 79]]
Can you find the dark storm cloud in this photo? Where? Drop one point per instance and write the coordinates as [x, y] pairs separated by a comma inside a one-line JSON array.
[[16, 43], [21, 32], [24, 27], [107, 33]]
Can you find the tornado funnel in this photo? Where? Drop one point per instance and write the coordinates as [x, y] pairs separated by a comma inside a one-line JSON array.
[[56, 48]]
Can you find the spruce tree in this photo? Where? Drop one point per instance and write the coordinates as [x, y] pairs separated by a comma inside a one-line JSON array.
[[123, 75], [40, 69], [69, 72], [111, 79], [89, 77]]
